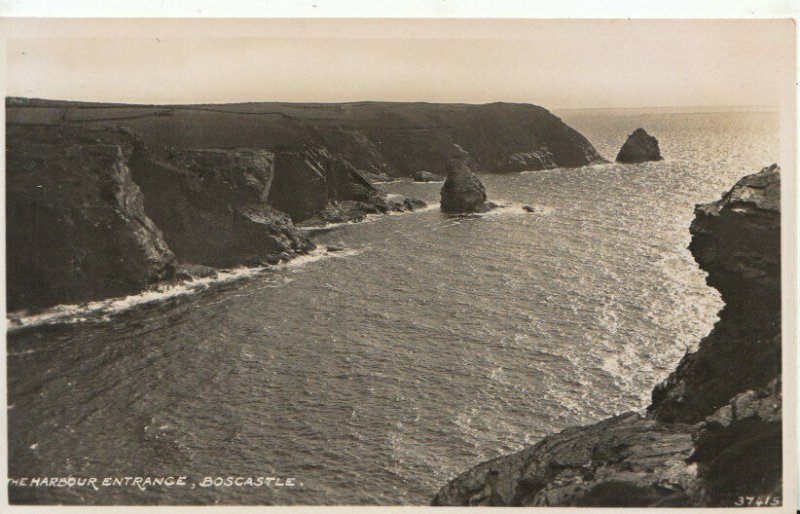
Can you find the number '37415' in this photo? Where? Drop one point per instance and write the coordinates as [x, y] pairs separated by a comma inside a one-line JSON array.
[[757, 501]]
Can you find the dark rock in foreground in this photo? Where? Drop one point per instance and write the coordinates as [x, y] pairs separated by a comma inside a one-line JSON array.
[[639, 147], [633, 461], [737, 241], [610, 463], [426, 176], [712, 434]]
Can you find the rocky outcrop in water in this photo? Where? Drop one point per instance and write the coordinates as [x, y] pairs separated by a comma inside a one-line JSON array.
[[712, 434], [463, 192], [639, 147]]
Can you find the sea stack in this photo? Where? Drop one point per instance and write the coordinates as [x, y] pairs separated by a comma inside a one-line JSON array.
[[639, 147], [463, 192]]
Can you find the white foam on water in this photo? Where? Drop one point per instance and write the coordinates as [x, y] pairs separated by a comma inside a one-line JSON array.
[[611, 364], [428, 207], [588, 167], [516, 208], [104, 310], [331, 226], [372, 217], [316, 255]]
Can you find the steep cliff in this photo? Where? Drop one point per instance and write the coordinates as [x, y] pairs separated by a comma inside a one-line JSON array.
[[737, 241], [712, 436], [212, 204], [316, 182], [76, 227]]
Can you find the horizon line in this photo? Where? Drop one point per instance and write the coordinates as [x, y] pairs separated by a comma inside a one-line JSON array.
[[727, 107]]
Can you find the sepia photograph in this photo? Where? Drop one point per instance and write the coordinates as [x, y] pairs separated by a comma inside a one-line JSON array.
[[400, 262]]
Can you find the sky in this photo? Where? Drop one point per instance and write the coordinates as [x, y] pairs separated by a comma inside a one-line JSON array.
[[555, 63]]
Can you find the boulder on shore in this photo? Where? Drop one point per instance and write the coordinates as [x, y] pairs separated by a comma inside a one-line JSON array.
[[427, 176], [463, 192], [639, 147]]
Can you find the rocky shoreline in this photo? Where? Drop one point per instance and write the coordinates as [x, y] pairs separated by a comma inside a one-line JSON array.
[[97, 213], [109, 200], [712, 434]]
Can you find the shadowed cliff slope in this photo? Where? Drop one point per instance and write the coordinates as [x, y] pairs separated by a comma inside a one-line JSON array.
[[713, 432], [76, 227], [212, 204]]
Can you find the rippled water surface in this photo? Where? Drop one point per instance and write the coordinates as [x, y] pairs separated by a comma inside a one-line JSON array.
[[433, 343]]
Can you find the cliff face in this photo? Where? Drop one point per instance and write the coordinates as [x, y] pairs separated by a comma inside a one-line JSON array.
[[212, 205], [737, 241], [401, 139], [317, 182], [97, 212], [76, 227], [713, 431]]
